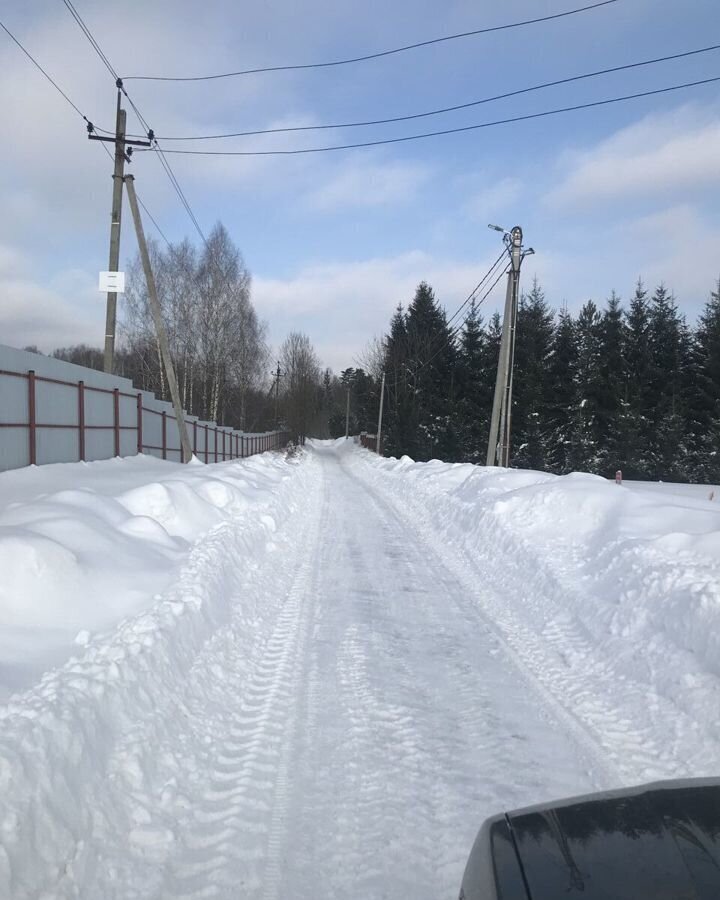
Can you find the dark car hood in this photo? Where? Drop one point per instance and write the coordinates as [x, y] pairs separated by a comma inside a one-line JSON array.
[[662, 844]]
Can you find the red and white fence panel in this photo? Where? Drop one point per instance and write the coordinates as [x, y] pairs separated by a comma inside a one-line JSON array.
[[54, 411]]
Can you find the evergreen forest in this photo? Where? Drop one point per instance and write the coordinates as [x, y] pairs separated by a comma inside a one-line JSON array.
[[628, 386]]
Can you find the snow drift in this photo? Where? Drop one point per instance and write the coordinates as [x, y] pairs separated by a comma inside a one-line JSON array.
[[583, 577], [128, 567]]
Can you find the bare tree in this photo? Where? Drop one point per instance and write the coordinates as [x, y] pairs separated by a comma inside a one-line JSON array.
[[372, 358], [216, 340], [303, 384]]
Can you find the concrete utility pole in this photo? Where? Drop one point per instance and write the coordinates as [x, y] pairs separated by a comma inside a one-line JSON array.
[[378, 442], [121, 157], [277, 375], [159, 324], [498, 452], [347, 416], [116, 215]]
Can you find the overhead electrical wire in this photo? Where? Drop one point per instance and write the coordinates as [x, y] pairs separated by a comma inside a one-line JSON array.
[[447, 341], [88, 34], [477, 287], [143, 121], [454, 332], [445, 131], [369, 56], [82, 115], [445, 109], [49, 77]]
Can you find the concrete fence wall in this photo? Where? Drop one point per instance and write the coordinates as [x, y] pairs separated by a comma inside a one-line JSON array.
[[52, 411]]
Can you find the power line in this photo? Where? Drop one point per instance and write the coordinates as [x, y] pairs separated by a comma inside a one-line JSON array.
[[81, 114], [477, 287], [78, 18], [445, 109], [429, 134], [378, 55], [453, 334], [157, 148], [49, 78]]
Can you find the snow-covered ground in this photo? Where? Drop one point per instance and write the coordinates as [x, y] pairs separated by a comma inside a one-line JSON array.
[[314, 678], [83, 546]]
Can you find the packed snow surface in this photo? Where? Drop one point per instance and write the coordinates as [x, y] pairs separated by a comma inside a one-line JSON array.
[[315, 677]]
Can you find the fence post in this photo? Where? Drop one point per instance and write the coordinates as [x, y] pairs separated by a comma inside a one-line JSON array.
[[139, 422], [116, 420], [32, 445], [224, 439], [215, 443], [81, 421], [164, 434], [195, 437], [206, 442]]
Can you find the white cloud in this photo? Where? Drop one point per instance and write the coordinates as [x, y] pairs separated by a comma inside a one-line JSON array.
[[496, 200], [65, 310], [343, 305], [661, 156], [33, 314], [366, 183]]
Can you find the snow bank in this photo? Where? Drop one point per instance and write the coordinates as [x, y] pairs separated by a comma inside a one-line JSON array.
[[113, 555], [84, 545], [622, 582]]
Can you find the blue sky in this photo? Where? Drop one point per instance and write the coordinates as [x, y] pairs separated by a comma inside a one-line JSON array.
[[335, 241]]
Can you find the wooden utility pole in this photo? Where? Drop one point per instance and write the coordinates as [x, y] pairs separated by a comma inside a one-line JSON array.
[[159, 324], [498, 452], [378, 442], [122, 155]]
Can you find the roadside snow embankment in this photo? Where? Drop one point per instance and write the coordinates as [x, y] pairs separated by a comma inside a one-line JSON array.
[[83, 546], [611, 594], [136, 564]]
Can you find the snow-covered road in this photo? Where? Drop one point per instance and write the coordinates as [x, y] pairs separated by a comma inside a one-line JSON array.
[[380, 721], [368, 692]]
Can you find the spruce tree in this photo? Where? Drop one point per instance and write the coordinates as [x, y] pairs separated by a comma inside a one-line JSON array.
[[635, 426], [562, 393], [399, 412], [611, 450], [531, 384], [706, 406], [584, 446], [667, 443], [474, 402], [432, 359]]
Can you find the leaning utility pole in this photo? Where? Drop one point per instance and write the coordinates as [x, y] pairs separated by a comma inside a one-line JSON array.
[[498, 452], [378, 441], [121, 157], [347, 415], [159, 324]]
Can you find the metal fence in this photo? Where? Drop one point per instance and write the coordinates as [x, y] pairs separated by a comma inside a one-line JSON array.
[[52, 411], [368, 441]]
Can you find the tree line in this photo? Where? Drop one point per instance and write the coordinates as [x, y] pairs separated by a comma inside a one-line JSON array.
[[630, 387], [218, 344]]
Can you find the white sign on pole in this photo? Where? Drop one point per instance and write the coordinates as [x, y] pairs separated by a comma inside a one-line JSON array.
[[112, 282]]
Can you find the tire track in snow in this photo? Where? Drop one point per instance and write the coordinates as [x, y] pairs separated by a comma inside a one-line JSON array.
[[424, 724], [609, 713], [234, 835]]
